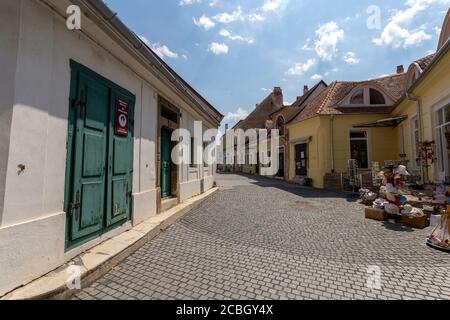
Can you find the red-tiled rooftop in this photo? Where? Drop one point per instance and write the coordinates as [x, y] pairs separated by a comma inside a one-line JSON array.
[[327, 103]]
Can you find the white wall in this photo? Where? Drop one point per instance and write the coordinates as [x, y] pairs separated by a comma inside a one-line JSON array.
[[9, 20], [33, 221], [35, 97]]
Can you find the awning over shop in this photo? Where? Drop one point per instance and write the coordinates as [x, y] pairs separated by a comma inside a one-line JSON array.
[[383, 123]]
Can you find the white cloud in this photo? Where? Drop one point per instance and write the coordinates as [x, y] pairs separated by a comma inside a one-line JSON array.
[[306, 46], [300, 68], [204, 22], [438, 30], [271, 5], [239, 114], [329, 35], [218, 48], [184, 56], [213, 3], [316, 77], [396, 32], [254, 17], [229, 17], [350, 58], [227, 34], [189, 2], [238, 15], [161, 50], [334, 70], [264, 89]]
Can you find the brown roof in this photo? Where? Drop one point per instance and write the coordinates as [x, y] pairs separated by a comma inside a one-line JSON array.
[[328, 101], [299, 102], [287, 112], [425, 61], [257, 119], [290, 112]]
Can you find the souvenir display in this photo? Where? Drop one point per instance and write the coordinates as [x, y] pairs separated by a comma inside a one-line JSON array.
[[397, 196]]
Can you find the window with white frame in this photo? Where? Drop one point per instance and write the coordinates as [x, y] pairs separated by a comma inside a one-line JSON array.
[[443, 140], [359, 148]]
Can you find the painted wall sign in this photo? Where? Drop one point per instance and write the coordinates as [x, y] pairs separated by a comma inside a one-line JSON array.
[[122, 117]]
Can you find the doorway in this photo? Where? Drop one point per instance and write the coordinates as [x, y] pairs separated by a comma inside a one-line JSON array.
[[98, 192], [301, 160], [280, 173], [166, 163]]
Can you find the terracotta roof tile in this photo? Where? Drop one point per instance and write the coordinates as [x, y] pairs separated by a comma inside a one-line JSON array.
[[257, 119], [328, 101], [425, 61], [288, 113], [299, 102]]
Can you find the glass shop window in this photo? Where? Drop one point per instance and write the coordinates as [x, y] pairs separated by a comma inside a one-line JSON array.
[[443, 141], [359, 148]]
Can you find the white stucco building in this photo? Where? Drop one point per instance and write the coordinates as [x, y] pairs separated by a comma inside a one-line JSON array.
[[85, 123]]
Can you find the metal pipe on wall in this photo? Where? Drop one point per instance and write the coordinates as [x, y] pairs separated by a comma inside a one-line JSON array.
[[331, 142]]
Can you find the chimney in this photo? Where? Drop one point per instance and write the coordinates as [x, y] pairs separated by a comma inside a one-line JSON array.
[[226, 127], [277, 91], [305, 90], [278, 97], [400, 69]]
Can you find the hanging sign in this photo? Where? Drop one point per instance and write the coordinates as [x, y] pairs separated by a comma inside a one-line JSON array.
[[122, 117]]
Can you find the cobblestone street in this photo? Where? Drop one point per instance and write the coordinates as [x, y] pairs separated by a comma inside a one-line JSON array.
[[266, 239]]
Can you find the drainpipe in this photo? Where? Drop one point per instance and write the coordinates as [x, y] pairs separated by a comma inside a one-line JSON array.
[[418, 101], [331, 142]]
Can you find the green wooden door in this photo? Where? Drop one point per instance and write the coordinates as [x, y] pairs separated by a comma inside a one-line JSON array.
[[99, 156], [166, 186], [120, 169], [90, 154]]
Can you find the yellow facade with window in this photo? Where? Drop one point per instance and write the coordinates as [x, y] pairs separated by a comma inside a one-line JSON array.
[[427, 106], [329, 141]]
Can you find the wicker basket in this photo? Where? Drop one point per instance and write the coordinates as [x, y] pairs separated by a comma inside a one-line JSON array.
[[376, 214], [415, 222]]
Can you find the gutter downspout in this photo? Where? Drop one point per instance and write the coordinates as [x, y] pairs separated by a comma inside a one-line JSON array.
[[331, 142], [418, 101]]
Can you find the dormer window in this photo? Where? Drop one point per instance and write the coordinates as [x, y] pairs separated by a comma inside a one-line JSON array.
[[367, 97], [376, 97], [358, 97]]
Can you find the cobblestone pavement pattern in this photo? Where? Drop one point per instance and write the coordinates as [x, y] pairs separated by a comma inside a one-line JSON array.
[[266, 239]]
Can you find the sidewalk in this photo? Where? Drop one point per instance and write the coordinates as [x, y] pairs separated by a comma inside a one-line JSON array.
[[99, 260]]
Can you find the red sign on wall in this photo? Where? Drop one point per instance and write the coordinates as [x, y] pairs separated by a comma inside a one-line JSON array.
[[122, 117]]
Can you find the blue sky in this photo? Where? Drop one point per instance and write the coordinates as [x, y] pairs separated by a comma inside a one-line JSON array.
[[234, 51]]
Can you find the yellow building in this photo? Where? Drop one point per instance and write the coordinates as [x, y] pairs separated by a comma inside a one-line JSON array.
[[378, 120], [322, 138], [426, 103]]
